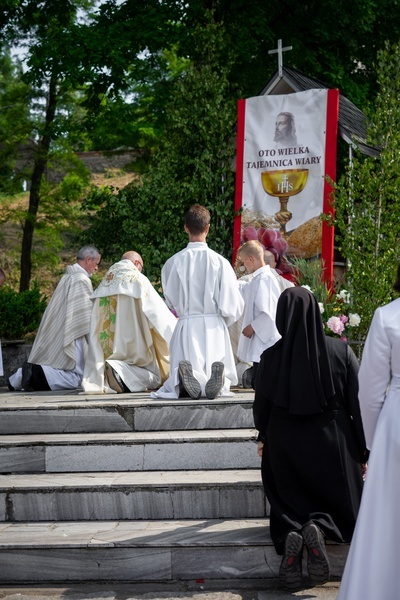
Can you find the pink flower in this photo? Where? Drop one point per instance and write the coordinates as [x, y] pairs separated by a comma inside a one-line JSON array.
[[335, 325], [343, 318]]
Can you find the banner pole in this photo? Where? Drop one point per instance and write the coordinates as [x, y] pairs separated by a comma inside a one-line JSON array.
[[328, 231], [237, 220]]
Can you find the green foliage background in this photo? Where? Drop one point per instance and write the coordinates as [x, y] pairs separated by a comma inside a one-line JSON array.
[[367, 200], [20, 313], [163, 77], [193, 165]]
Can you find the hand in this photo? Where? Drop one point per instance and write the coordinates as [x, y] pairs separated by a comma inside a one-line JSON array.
[[248, 331], [364, 469], [260, 449]]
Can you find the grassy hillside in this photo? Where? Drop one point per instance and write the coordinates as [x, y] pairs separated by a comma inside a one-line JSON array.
[[49, 261]]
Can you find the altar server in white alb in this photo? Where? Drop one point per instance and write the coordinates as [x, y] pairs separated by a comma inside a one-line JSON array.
[[57, 358], [201, 286], [372, 568], [130, 329], [261, 295]]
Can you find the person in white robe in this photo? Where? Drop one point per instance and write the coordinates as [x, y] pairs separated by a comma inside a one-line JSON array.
[[235, 331], [130, 331], [260, 296], [57, 358], [372, 569], [200, 285], [245, 369]]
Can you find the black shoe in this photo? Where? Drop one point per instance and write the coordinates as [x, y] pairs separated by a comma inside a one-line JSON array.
[[188, 380], [247, 378], [27, 373], [10, 387], [215, 383], [317, 561], [114, 381], [290, 570], [182, 392]]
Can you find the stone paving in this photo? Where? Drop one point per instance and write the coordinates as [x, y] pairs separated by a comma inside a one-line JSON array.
[[98, 431], [151, 591]]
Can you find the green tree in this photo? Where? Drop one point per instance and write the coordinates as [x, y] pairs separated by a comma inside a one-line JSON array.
[[15, 121], [49, 32], [194, 164], [127, 46], [315, 30], [120, 61], [82, 51], [367, 200], [135, 117]]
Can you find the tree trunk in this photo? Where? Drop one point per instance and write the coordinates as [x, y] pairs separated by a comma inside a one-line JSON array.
[[41, 159]]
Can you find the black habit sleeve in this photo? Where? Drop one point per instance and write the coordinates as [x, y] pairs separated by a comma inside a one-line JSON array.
[[261, 405]]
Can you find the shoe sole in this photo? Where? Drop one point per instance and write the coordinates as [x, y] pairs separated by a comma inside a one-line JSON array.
[[290, 572], [216, 381], [188, 380], [317, 560], [247, 379]]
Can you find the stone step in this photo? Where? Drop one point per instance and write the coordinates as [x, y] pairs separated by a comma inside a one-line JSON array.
[[232, 494], [73, 412], [169, 551], [131, 451]]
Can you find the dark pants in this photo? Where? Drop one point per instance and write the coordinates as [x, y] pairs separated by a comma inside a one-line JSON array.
[[254, 375], [33, 378]]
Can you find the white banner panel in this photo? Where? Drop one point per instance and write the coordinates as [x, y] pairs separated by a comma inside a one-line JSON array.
[[284, 159]]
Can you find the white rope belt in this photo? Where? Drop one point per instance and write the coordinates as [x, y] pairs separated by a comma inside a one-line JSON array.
[[194, 316]]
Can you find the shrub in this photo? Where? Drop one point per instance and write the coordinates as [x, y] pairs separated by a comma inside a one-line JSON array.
[[20, 313]]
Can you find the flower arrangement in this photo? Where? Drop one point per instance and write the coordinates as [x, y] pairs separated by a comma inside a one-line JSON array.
[[335, 305], [273, 241]]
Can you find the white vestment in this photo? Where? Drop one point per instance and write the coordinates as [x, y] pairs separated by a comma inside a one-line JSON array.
[[130, 329], [60, 343], [235, 331], [201, 286], [65, 319], [283, 283], [372, 568], [261, 296]]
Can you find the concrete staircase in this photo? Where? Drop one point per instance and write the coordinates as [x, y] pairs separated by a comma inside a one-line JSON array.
[[125, 488]]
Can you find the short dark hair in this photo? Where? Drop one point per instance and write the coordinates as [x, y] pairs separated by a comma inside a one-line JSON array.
[[197, 218]]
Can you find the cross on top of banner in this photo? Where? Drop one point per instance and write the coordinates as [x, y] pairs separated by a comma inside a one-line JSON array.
[[279, 51]]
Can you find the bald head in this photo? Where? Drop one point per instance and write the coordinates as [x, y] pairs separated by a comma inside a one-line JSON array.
[[134, 257], [269, 259]]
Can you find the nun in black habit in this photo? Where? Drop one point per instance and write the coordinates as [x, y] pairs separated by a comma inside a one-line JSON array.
[[310, 436]]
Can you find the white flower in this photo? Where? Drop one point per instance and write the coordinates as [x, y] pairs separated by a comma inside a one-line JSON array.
[[345, 296], [321, 307], [354, 319], [307, 287]]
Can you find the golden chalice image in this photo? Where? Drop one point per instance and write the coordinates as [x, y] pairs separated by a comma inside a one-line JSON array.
[[282, 185]]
